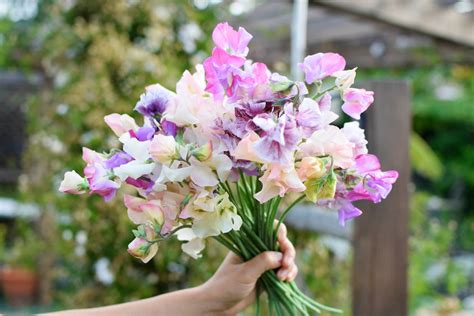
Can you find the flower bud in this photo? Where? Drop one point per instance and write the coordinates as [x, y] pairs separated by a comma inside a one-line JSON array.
[[73, 183]]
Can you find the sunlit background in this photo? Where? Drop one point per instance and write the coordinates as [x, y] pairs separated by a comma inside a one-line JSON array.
[[64, 64]]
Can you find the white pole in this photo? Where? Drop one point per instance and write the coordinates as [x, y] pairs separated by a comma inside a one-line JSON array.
[[298, 36]]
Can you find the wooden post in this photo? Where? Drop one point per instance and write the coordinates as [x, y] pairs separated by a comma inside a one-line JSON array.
[[381, 234]]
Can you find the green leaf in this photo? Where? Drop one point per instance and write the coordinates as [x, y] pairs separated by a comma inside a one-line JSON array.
[[424, 160], [321, 188]]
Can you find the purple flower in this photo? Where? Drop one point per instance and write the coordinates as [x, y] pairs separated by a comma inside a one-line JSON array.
[[376, 184], [321, 65], [279, 139], [98, 176], [169, 128], [233, 42], [220, 69], [314, 115], [251, 84], [118, 159], [141, 183], [346, 212], [154, 101], [144, 133]]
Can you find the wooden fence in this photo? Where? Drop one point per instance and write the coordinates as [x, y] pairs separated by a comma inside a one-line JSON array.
[[380, 235]]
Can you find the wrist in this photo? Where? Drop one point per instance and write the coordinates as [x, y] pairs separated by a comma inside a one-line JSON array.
[[211, 304]]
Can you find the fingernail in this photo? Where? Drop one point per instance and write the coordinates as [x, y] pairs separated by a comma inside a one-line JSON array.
[[282, 275], [277, 256]]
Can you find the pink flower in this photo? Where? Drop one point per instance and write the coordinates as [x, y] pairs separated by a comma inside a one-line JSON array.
[[356, 135], [245, 148], [98, 176], [314, 115], [321, 65], [220, 69], [329, 141], [376, 184], [251, 84], [161, 209], [356, 101], [120, 124], [233, 42], [278, 180], [142, 247]]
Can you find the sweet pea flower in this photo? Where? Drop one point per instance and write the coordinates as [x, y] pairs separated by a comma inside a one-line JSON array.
[[310, 168], [117, 160], [251, 84], [194, 245], [245, 148], [98, 176], [356, 101], [141, 164], [214, 215], [142, 247], [314, 115], [208, 173], [154, 101], [376, 184], [345, 78], [163, 149], [329, 141], [220, 70], [193, 106], [73, 183], [141, 211], [347, 212], [279, 139], [278, 180], [321, 65], [120, 124], [356, 135], [232, 41]]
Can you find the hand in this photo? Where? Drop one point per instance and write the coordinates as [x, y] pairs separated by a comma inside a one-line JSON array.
[[233, 285]]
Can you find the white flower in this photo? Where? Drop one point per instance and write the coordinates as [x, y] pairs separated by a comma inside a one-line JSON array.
[[139, 151], [163, 148], [356, 135], [194, 244], [73, 183], [214, 215], [345, 78]]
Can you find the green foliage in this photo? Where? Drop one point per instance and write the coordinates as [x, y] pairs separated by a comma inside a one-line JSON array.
[[95, 58], [25, 250], [423, 158]]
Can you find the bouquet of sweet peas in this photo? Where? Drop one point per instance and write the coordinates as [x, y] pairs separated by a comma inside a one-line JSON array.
[[230, 153]]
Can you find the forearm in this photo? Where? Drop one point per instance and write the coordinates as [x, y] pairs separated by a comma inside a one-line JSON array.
[[190, 302]]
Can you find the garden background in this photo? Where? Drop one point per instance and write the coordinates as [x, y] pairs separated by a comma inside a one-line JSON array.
[[66, 64]]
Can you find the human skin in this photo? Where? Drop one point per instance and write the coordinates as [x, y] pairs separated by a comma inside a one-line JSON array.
[[230, 290]]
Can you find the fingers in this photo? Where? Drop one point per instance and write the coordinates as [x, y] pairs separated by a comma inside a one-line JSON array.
[[256, 266], [286, 247], [288, 274], [288, 270]]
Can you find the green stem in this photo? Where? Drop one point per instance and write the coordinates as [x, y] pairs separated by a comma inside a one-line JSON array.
[[283, 216]]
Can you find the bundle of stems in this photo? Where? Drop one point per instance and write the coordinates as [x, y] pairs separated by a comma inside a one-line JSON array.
[[259, 234]]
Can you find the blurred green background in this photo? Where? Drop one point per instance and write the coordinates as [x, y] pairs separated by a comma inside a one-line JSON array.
[[66, 64]]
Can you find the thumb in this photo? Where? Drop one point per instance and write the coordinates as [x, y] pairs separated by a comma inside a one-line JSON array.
[[256, 266]]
